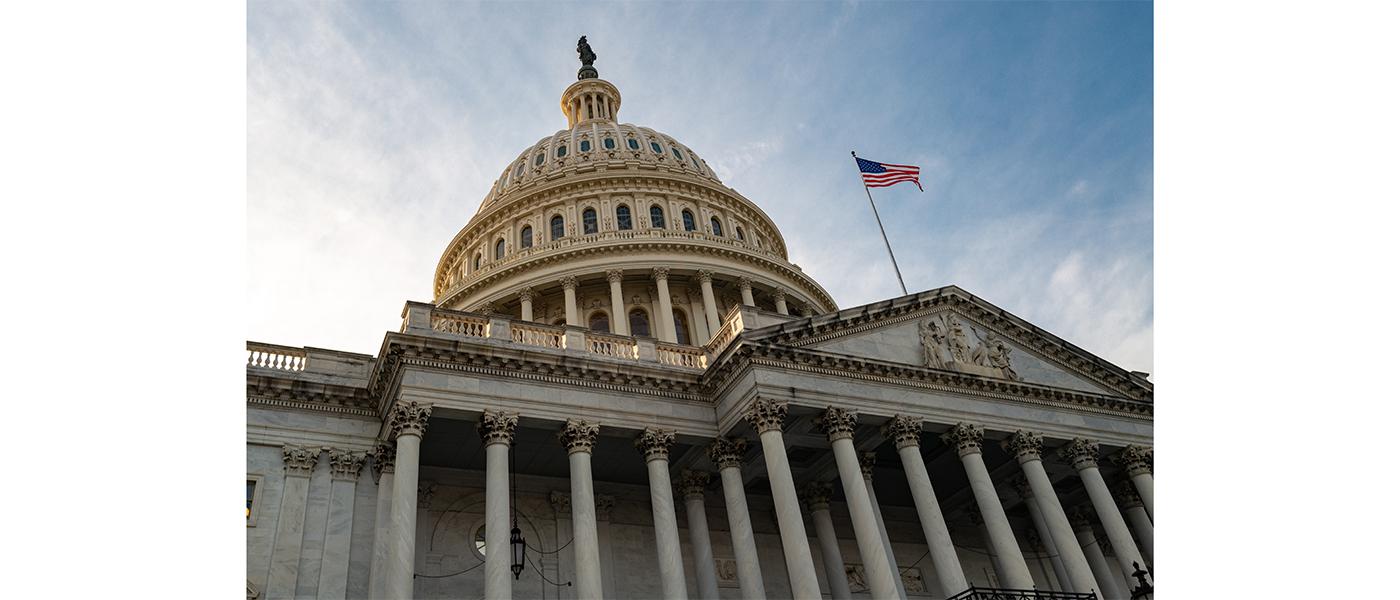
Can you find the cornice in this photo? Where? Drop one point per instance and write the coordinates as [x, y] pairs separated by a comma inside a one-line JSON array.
[[286, 392]]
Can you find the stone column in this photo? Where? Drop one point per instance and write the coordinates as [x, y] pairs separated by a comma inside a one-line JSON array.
[[1137, 517], [967, 439], [383, 469], [696, 308], [867, 470], [693, 490], [1023, 489], [621, 326], [1137, 463], [663, 294], [335, 556], [727, 454], [780, 301], [570, 284], [1026, 446], [497, 429], [905, 432], [578, 437], [746, 290], [1084, 533], [707, 294], [807, 310], [655, 445], [981, 525], [407, 422], [527, 304], [1084, 455], [298, 462], [563, 532], [817, 497], [766, 417], [839, 425]]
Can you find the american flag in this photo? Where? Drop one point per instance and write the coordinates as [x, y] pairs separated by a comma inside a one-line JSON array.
[[878, 174]]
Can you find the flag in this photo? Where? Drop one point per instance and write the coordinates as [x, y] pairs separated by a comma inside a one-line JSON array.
[[878, 174]]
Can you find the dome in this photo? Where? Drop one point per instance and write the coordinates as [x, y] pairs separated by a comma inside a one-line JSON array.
[[619, 227]]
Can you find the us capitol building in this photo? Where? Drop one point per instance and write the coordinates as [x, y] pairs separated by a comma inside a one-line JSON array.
[[624, 389]]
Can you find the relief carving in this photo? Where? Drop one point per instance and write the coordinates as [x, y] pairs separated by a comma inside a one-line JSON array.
[[945, 347]]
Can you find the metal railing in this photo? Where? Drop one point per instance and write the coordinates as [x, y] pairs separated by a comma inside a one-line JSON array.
[[981, 593]]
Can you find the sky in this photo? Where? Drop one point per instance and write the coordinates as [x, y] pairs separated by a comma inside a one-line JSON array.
[[375, 130]]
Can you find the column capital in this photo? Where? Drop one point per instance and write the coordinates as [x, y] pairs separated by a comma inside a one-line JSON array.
[[975, 516], [778, 294], [1135, 460], [766, 414], [568, 282], [836, 423], [655, 443], [817, 495], [409, 418], [728, 452], [1127, 494], [383, 454], [745, 283], [562, 502], [426, 489], [527, 294], [704, 276], [615, 276], [693, 483], [903, 430], [660, 273], [497, 426], [1079, 519], [299, 460], [603, 505], [1024, 445], [1022, 487], [806, 310], [967, 438], [346, 465], [867, 464], [1081, 453], [578, 435]]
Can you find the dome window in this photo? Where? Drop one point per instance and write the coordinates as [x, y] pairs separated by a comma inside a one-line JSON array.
[[500, 248], [632, 143], [624, 217], [678, 155], [696, 162], [563, 150], [637, 320], [682, 328], [609, 144], [539, 159], [739, 231], [658, 217], [556, 227], [688, 220], [655, 147], [520, 170], [527, 237], [476, 261], [585, 146], [590, 221], [716, 227], [598, 321]]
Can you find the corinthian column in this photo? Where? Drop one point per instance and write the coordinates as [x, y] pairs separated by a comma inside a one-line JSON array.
[[527, 304], [746, 290], [383, 469], [693, 490], [1026, 446], [620, 325], [867, 471], [728, 454], [780, 301], [707, 294], [578, 437], [297, 462], [663, 294], [839, 425], [335, 558], [1137, 463], [905, 431], [1084, 455], [570, 284], [655, 444], [407, 423], [497, 429], [1137, 516], [817, 497], [1084, 533], [967, 439], [1042, 531], [766, 417]]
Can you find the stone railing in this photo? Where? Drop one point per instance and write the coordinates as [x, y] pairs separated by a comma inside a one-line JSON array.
[[458, 325], [681, 356], [730, 329], [537, 335], [280, 358], [615, 346]]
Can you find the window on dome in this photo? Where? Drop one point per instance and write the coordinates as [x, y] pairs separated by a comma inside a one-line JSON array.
[[696, 162], [476, 262], [590, 221], [561, 151], [739, 231], [655, 147], [632, 143], [682, 328], [539, 159], [624, 217], [658, 217], [678, 156], [527, 237], [520, 170], [500, 248], [556, 227], [637, 320], [715, 226], [584, 146], [609, 143], [598, 321], [688, 220]]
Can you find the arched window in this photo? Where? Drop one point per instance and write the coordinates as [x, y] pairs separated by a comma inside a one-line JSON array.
[[632, 143], [658, 217], [476, 261], [598, 321], [500, 248], [637, 319], [624, 217], [527, 237], [682, 327], [609, 143], [739, 231], [688, 220], [556, 227], [590, 221], [715, 226]]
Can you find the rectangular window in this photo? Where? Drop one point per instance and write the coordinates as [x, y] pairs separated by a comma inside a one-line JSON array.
[[253, 499]]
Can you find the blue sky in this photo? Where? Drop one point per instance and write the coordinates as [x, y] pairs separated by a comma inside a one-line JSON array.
[[375, 129]]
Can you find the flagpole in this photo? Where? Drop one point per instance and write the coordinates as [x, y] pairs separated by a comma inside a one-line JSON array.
[[882, 227]]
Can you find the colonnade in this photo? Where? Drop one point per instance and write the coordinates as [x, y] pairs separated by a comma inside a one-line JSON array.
[[392, 560]]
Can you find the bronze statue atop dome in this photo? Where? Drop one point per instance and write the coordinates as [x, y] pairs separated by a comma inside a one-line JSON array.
[[586, 56]]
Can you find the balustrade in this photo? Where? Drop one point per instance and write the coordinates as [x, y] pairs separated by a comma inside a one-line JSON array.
[[460, 324], [281, 358], [611, 345], [680, 356], [537, 335]]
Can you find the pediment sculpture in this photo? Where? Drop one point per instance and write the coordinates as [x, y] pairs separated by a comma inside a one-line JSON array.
[[946, 347]]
